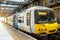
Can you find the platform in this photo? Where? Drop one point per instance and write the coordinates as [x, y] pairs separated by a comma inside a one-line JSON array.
[[8, 32], [4, 35]]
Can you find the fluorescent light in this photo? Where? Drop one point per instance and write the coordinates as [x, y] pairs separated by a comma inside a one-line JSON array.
[[19, 0], [9, 5], [4, 1]]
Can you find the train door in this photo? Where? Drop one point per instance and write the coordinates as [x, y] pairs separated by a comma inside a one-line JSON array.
[[28, 21], [15, 20]]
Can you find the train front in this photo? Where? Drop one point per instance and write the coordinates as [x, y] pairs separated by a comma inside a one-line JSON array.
[[45, 22]]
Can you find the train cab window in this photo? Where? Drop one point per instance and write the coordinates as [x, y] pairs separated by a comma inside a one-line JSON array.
[[42, 16], [28, 19]]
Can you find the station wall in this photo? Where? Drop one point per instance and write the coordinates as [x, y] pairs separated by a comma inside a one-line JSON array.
[[54, 4]]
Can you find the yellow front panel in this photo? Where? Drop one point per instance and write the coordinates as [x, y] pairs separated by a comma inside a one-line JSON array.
[[51, 27], [46, 28]]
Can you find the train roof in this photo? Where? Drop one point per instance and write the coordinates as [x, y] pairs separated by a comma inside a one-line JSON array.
[[38, 7]]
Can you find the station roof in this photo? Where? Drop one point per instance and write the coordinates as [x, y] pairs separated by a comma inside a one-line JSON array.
[[7, 6]]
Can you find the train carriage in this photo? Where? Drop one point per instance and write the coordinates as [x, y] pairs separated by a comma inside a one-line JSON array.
[[37, 20]]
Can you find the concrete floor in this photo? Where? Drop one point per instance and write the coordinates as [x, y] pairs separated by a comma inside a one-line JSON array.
[[4, 35], [8, 32]]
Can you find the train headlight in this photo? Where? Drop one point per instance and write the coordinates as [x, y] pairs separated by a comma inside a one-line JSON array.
[[39, 29]]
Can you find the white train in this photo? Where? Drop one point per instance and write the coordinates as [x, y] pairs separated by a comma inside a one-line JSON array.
[[37, 20]]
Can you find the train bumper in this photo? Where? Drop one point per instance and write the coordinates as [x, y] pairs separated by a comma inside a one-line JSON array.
[[46, 28], [51, 28]]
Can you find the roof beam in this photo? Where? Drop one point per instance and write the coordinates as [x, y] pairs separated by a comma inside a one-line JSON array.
[[12, 2]]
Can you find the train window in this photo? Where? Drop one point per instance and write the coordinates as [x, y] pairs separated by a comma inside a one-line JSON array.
[[42, 16], [28, 19], [21, 19]]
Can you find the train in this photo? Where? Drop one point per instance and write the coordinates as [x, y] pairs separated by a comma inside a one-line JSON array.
[[36, 20]]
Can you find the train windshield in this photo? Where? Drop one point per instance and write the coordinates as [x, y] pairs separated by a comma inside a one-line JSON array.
[[43, 16]]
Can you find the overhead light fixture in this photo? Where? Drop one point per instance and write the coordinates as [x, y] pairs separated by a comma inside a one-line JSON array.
[[4, 1], [19, 0], [8, 5]]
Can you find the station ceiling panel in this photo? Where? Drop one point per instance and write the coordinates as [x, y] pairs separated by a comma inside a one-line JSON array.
[[7, 6]]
